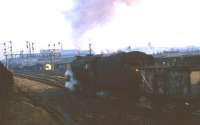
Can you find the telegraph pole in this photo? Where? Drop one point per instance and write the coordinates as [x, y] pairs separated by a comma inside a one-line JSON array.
[[52, 54], [28, 46], [11, 49], [5, 54], [49, 53], [11, 53], [33, 47], [61, 45]]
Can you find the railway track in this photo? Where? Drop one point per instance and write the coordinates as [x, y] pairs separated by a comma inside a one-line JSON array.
[[53, 80], [58, 81], [146, 118], [44, 101]]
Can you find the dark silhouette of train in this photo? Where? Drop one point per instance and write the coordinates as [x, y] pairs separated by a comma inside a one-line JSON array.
[[137, 74], [116, 74]]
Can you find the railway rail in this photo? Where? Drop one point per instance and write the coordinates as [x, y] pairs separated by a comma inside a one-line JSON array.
[[44, 101], [53, 80]]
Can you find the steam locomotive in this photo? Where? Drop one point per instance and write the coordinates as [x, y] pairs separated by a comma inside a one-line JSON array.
[[136, 74], [115, 74]]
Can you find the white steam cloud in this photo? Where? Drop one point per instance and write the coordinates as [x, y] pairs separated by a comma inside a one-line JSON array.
[[87, 14]]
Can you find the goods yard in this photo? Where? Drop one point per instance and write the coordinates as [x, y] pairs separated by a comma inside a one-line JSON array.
[[143, 99]]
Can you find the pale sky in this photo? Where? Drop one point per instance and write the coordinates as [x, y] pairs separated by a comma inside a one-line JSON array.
[[164, 23]]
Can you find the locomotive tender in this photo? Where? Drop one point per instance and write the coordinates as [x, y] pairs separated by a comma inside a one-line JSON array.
[[166, 84]]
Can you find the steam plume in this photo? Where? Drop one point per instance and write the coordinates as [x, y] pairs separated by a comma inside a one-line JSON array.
[[86, 14]]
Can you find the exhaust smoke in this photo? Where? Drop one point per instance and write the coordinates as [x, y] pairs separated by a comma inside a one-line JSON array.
[[71, 82], [87, 14]]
